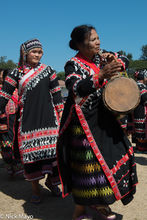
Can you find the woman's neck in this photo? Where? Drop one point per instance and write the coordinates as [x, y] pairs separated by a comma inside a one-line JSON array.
[[87, 56], [32, 65]]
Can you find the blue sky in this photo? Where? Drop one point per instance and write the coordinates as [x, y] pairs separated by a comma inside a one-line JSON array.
[[121, 25]]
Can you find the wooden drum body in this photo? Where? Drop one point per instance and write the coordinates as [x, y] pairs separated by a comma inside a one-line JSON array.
[[121, 95]]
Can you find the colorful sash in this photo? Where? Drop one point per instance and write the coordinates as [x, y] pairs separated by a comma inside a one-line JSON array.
[[28, 75], [88, 62], [91, 64]]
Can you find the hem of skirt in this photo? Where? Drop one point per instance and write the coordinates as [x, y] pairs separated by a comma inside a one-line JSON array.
[[12, 172], [37, 177], [131, 190], [127, 198], [97, 201], [19, 172]]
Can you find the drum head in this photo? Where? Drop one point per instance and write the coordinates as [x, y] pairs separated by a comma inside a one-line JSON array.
[[121, 95]]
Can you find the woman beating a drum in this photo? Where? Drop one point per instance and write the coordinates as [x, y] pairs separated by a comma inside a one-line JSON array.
[[41, 106], [95, 158]]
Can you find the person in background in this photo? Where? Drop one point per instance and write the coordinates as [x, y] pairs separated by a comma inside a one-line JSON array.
[[1, 77], [40, 110], [95, 157], [140, 113], [8, 138]]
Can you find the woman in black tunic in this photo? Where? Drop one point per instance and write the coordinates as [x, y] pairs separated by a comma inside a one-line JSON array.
[[8, 137], [95, 157], [140, 113], [40, 107]]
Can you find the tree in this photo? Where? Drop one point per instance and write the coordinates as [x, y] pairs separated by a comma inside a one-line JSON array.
[[144, 52], [2, 59], [138, 64], [122, 52], [61, 76], [10, 64], [6, 64], [129, 55]]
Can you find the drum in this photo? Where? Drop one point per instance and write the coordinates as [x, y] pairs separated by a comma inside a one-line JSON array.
[[121, 95]]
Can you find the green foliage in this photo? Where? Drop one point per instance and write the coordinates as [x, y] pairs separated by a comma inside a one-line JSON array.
[[122, 52], [129, 55], [61, 76], [144, 52], [6, 64], [136, 65], [2, 59]]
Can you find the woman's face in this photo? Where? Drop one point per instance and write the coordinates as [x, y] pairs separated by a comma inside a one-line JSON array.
[[91, 45], [34, 56]]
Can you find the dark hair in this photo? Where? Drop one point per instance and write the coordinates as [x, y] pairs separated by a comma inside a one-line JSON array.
[[22, 58], [79, 34], [5, 73], [1, 69]]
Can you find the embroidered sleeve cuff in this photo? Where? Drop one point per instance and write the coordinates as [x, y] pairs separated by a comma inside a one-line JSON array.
[[96, 82], [59, 107], [3, 116], [3, 128], [120, 61], [123, 64], [56, 89]]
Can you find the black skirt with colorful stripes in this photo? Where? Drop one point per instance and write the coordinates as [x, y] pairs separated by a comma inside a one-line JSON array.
[[89, 183]]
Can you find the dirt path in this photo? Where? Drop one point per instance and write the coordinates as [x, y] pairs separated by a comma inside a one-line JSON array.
[[15, 194]]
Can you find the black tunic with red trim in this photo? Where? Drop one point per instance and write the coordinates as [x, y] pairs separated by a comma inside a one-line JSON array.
[[140, 119], [95, 158], [40, 102], [8, 138]]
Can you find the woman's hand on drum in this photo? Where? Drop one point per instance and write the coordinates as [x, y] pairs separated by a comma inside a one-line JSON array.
[[110, 70]]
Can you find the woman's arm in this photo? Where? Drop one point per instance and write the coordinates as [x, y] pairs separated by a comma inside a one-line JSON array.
[[56, 93], [84, 86], [75, 83]]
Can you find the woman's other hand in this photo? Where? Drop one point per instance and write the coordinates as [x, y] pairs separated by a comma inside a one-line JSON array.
[[109, 70], [108, 57]]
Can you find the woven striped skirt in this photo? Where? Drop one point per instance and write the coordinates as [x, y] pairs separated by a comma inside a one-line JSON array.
[[89, 183]]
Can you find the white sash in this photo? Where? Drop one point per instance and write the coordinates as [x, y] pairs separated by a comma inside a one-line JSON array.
[[24, 78]]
